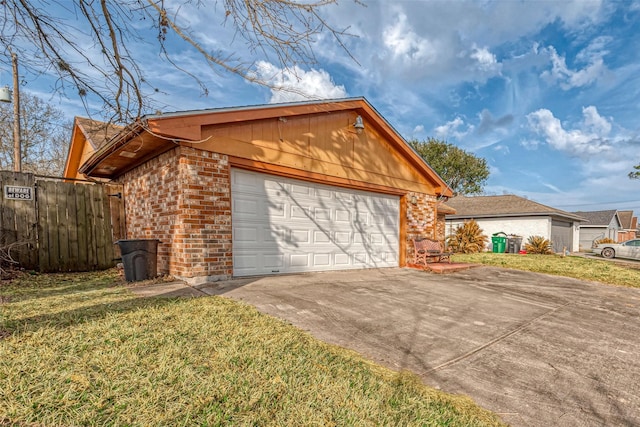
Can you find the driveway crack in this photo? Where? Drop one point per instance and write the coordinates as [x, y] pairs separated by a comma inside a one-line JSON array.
[[495, 340]]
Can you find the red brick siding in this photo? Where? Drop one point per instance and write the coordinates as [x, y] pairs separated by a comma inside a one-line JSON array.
[[623, 236], [421, 220], [183, 198]]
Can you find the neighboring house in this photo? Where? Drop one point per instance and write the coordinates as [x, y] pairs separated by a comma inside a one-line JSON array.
[[281, 188], [629, 225], [612, 224], [518, 216]]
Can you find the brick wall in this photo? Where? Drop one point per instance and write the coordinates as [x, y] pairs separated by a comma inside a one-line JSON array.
[[421, 219], [183, 198]]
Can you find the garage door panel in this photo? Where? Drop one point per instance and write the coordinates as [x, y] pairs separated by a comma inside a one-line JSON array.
[[244, 181], [320, 237], [377, 219], [377, 239], [322, 214], [391, 257], [343, 216], [246, 208], [246, 263], [300, 212], [246, 234], [362, 218], [272, 235], [323, 194], [360, 258], [342, 196], [299, 236], [342, 259], [342, 237], [299, 260], [301, 190], [322, 260], [274, 209], [293, 226], [273, 261]]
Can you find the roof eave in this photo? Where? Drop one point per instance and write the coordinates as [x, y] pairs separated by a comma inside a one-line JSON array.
[[119, 140], [186, 126], [514, 215]]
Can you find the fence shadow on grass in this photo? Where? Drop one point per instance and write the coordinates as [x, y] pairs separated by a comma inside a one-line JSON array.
[[65, 300]]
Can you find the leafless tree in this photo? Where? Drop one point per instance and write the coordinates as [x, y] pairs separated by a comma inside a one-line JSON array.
[[44, 136], [50, 36]]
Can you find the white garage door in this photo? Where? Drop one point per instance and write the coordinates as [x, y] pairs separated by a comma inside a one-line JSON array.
[[561, 237], [283, 225]]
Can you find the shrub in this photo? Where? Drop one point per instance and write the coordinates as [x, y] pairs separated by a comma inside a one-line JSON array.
[[603, 240], [467, 238], [538, 245]]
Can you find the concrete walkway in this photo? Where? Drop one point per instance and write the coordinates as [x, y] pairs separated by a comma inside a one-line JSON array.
[[539, 350]]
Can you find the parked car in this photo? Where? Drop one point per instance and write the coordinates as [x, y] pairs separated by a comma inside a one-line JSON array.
[[629, 249]]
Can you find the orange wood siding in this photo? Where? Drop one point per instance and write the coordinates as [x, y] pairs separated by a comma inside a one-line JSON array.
[[324, 144]]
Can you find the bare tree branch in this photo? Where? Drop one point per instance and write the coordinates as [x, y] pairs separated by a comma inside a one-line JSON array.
[[88, 43], [45, 136]]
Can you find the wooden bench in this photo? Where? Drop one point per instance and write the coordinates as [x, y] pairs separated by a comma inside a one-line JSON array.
[[427, 249]]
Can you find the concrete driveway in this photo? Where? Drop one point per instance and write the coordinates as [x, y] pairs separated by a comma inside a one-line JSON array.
[[538, 350]]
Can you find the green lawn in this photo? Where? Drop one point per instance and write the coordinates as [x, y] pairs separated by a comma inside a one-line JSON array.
[[591, 269], [80, 349]]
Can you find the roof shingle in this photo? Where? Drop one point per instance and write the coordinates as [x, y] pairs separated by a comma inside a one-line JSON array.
[[602, 218]]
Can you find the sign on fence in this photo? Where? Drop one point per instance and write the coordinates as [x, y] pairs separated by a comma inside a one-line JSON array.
[[17, 192]]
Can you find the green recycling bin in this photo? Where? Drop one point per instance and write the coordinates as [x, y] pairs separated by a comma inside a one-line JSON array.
[[499, 241]]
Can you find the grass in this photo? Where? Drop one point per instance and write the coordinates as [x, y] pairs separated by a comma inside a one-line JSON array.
[[79, 349], [571, 266]]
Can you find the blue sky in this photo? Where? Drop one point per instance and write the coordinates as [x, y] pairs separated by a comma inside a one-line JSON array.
[[547, 91]]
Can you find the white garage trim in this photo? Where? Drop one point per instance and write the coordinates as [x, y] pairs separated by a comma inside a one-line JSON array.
[[282, 225]]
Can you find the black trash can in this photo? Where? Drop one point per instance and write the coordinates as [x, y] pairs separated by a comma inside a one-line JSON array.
[[140, 258], [514, 244]]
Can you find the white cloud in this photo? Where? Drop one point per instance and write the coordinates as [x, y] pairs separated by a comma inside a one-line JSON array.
[[296, 84], [594, 122], [501, 148], [567, 78], [486, 61], [418, 130], [551, 187], [530, 144], [402, 42], [450, 42], [455, 128], [591, 136]]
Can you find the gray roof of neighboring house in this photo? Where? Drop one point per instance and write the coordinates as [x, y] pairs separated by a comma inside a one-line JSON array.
[[503, 206], [597, 218]]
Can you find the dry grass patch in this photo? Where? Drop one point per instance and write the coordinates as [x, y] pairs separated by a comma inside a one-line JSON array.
[[571, 266], [82, 350]]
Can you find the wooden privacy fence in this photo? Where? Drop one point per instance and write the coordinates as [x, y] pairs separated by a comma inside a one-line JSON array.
[[53, 225]]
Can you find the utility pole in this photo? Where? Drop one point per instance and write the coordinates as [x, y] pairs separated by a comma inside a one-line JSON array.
[[17, 156]]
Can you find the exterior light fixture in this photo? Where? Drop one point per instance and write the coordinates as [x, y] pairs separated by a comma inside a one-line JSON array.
[[359, 125], [414, 200]]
